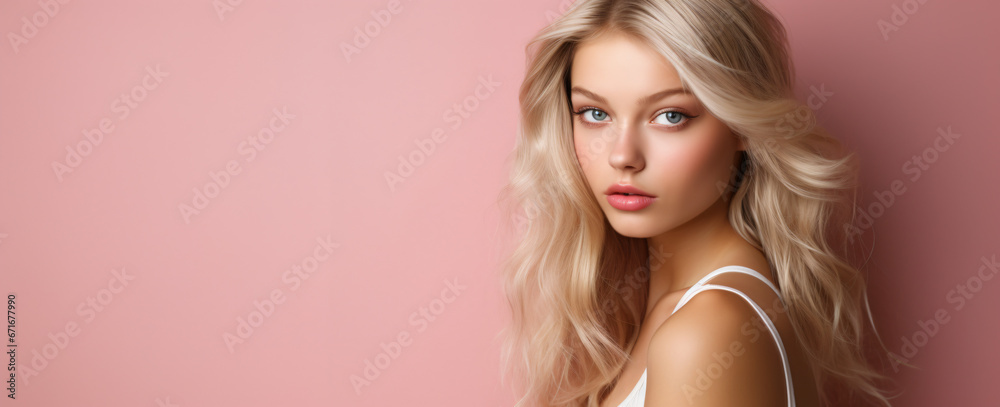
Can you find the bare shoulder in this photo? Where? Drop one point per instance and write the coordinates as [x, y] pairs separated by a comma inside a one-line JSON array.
[[709, 354]]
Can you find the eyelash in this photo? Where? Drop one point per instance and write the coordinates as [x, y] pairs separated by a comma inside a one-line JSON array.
[[579, 113]]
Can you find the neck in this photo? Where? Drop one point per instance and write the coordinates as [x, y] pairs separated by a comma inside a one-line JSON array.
[[685, 254]]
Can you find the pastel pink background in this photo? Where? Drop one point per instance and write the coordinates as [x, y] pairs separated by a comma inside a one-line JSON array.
[[161, 339]]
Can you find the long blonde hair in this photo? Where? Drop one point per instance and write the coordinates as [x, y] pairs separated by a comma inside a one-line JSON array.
[[574, 317]]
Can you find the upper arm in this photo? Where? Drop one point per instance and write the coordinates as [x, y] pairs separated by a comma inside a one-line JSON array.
[[710, 353]]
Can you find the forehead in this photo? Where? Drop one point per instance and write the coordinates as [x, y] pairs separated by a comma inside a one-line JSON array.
[[615, 64]]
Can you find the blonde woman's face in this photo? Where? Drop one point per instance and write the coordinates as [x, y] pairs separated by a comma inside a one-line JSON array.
[[634, 125]]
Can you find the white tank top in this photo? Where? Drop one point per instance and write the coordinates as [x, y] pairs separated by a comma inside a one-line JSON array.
[[638, 395]]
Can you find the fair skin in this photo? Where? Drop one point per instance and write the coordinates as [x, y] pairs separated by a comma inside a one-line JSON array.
[[671, 147]]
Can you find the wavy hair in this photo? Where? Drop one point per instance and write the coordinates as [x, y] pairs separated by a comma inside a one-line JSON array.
[[577, 289]]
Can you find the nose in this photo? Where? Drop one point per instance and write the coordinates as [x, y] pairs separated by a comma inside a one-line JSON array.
[[626, 154]]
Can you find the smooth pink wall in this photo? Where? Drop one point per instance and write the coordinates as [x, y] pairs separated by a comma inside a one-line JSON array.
[[227, 235], [916, 95]]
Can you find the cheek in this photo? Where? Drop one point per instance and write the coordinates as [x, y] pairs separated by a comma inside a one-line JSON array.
[[584, 145], [593, 146], [695, 169]]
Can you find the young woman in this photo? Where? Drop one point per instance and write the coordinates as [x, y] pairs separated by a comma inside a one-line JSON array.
[[680, 203]]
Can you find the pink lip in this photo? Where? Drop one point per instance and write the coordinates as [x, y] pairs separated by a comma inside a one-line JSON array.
[[629, 202], [635, 200], [623, 188]]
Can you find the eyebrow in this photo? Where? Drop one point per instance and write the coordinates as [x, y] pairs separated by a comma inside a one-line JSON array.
[[643, 100]]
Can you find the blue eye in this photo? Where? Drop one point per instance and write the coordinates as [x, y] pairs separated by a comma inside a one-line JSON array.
[[597, 114], [673, 117]]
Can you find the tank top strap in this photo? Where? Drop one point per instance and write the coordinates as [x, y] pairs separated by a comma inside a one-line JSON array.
[[721, 270], [702, 285]]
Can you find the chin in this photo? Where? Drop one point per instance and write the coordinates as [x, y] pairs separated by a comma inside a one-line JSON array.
[[633, 225]]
